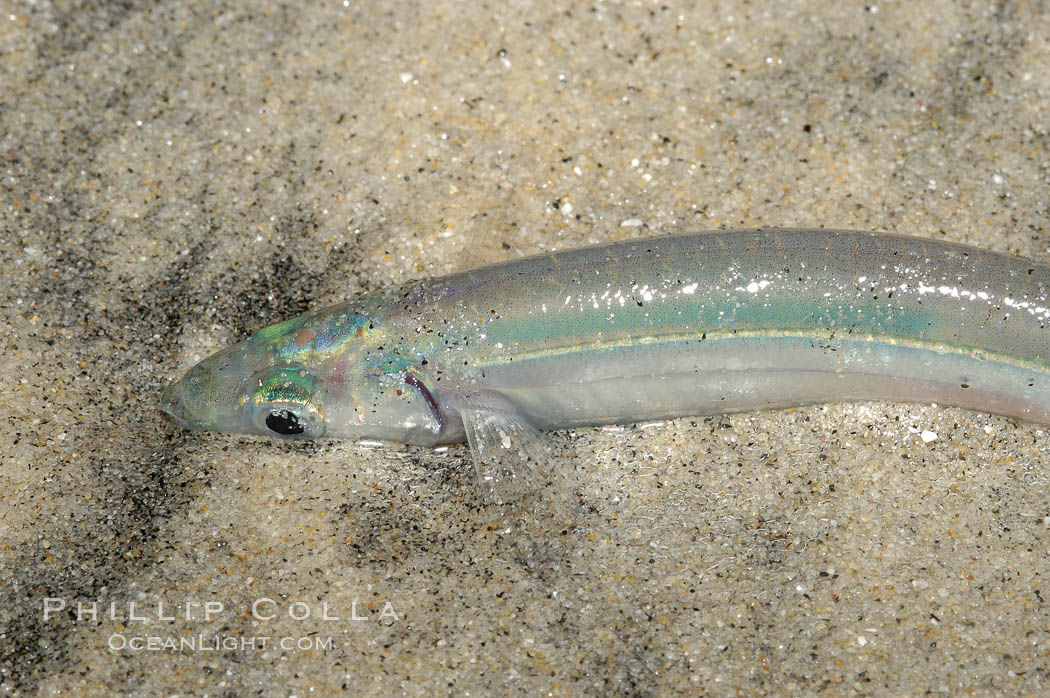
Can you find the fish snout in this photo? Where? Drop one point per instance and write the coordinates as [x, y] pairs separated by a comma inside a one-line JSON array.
[[171, 402]]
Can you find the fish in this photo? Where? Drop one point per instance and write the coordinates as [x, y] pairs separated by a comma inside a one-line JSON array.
[[638, 330]]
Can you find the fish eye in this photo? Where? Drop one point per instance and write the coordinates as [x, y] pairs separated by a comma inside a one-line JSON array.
[[285, 404], [284, 422], [288, 418]]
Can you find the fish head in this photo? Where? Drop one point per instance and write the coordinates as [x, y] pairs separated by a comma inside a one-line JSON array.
[[333, 373], [234, 391]]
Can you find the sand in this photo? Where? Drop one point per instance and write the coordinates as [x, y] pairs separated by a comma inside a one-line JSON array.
[[174, 176]]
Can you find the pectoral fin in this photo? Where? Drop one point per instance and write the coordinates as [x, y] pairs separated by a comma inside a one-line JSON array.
[[511, 457]]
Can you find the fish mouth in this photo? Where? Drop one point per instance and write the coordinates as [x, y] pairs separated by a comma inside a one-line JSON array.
[[171, 403]]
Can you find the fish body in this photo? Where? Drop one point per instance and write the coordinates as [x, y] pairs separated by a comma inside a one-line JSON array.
[[644, 329]]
